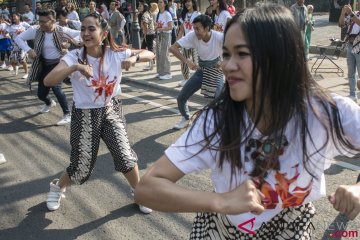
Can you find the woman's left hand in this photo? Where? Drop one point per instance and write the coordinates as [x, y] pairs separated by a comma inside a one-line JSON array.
[[126, 64], [346, 200]]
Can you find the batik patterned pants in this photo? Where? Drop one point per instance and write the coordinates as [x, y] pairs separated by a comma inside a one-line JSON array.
[[88, 126]]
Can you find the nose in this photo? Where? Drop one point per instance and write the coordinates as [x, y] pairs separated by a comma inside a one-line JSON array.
[[229, 64]]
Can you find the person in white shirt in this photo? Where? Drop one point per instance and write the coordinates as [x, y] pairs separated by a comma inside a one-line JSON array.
[[28, 16], [49, 47], [208, 76], [352, 19], [95, 71], [5, 44], [267, 140], [17, 54], [72, 14], [220, 14], [64, 21], [5, 12], [188, 14], [164, 26]]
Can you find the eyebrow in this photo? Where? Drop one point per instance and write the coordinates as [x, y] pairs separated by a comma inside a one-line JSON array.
[[88, 26], [238, 46]]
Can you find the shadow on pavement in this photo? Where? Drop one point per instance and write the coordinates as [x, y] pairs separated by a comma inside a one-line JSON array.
[[35, 223]]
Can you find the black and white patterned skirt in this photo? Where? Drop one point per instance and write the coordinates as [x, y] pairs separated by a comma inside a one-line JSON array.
[[290, 223]]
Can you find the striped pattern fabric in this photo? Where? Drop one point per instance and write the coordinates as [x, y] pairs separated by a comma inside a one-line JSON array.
[[38, 45], [211, 79], [188, 54]]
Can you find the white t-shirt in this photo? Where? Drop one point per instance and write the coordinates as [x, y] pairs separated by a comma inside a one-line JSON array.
[[3, 27], [15, 30], [203, 48], [297, 185], [96, 92], [187, 22], [73, 16], [29, 17], [163, 20], [221, 20]]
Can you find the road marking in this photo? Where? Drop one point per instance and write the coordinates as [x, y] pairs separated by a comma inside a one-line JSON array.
[[346, 165], [2, 158], [142, 100]]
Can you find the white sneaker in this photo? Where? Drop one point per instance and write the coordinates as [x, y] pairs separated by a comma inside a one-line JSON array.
[[3, 66], [45, 108], [10, 68], [353, 98], [25, 76], [157, 75], [65, 120], [142, 208], [182, 83], [16, 70], [183, 123], [54, 196], [165, 77], [150, 67]]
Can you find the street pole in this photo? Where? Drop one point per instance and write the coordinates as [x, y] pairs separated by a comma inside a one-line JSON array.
[[33, 6], [135, 28]]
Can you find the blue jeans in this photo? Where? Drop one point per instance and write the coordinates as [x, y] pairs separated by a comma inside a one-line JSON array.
[[353, 63], [43, 91], [192, 86]]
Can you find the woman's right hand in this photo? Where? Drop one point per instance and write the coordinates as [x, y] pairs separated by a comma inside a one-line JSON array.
[[32, 54], [191, 65], [244, 198], [85, 69]]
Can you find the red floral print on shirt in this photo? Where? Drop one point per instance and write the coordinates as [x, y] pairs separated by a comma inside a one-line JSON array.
[[101, 86], [18, 31], [218, 27], [282, 190], [160, 24], [188, 25]]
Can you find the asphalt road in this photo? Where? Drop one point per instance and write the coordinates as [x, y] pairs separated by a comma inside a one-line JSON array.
[[37, 151]]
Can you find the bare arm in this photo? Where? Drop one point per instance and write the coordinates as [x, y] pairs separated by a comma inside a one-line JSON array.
[[180, 32], [144, 55], [348, 11], [158, 190], [137, 55], [168, 28], [62, 70], [174, 49]]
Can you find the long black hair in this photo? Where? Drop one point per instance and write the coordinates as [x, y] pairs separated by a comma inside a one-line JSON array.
[[282, 87], [185, 10], [166, 2], [222, 7]]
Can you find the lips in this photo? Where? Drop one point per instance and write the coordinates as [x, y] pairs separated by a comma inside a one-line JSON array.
[[232, 80]]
